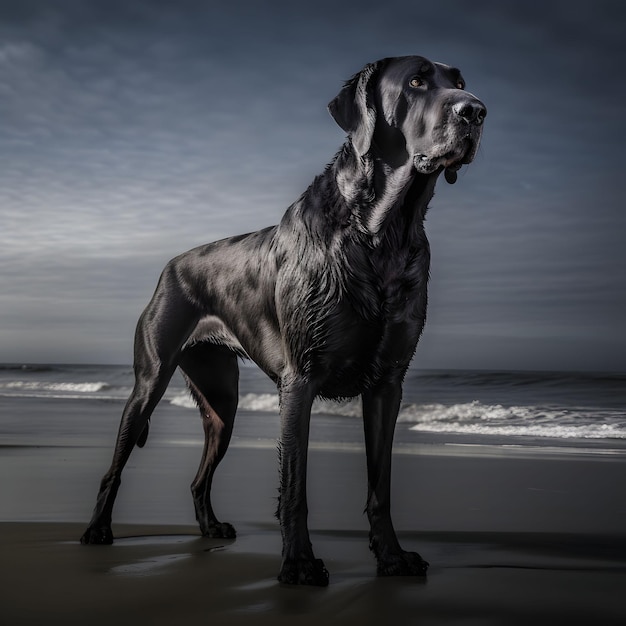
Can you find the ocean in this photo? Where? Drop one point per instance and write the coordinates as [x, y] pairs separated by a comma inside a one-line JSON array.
[[82, 405]]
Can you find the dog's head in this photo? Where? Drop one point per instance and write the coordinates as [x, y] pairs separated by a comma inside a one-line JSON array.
[[411, 108]]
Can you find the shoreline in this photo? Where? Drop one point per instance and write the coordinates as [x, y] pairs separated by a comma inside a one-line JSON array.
[[442, 488]]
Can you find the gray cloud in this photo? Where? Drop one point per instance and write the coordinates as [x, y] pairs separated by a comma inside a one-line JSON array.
[[132, 131]]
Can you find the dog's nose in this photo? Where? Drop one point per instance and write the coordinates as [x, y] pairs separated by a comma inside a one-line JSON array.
[[471, 111]]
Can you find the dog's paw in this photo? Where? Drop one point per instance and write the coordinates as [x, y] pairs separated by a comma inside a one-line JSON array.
[[220, 530], [97, 535], [403, 564], [304, 572]]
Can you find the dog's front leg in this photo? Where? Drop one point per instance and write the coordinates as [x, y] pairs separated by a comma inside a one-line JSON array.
[[380, 411], [299, 566]]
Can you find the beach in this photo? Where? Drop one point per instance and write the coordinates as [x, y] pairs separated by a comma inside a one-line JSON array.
[[517, 537], [517, 530]]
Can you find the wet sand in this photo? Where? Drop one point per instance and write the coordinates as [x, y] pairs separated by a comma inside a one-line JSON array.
[[513, 537]]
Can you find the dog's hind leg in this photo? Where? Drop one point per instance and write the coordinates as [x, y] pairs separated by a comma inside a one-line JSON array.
[[145, 396], [161, 332], [212, 374]]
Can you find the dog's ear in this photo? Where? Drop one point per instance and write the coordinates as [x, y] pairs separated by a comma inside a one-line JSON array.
[[354, 108]]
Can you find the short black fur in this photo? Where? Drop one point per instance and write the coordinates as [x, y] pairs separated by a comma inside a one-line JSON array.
[[331, 302]]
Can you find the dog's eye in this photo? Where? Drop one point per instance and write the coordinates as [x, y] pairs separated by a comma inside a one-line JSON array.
[[416, 82], [460, 84]]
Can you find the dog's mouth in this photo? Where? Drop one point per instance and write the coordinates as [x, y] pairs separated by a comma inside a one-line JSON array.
[[450, 161]]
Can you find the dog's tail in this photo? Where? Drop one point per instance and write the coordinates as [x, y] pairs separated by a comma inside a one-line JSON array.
[[141, 442]]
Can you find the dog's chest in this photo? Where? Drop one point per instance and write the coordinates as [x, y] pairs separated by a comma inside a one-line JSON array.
[[373, 331], [388, 286]]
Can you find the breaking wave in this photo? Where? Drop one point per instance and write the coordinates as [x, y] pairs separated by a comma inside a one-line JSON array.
[[58, 387], [524, 404], [524, 421], [473, 417]]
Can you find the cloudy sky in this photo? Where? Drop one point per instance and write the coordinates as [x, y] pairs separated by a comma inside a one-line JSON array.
[[131, 131]]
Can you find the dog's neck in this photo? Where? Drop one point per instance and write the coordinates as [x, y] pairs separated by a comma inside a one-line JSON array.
[[383, 195]]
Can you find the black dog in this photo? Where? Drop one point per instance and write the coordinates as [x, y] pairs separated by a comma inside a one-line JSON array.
[[331, 302]]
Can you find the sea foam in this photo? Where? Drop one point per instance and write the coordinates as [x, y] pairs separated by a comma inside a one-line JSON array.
[[466, 418], [39, 386]]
